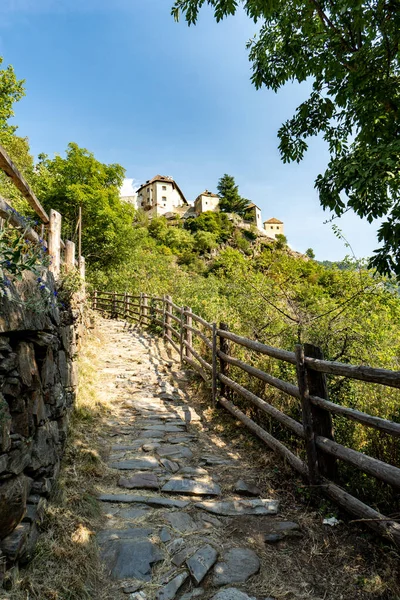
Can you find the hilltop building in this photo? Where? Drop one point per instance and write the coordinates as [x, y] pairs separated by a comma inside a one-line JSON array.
[[161, 195], [206, 201], [253, 214], [273, 227]]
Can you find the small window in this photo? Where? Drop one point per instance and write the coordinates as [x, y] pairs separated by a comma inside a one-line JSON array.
[[164, 187], [164, 198], [272, 226], [148, 190], [206, 202]]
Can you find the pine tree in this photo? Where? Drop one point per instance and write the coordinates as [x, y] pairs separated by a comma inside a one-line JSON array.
[[231, 201]]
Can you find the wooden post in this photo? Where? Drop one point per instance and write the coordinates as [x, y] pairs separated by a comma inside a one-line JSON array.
[[145, 306], [168, 320], [54, 243], [80, 232], [69, 258], [82, 267], [224, 346], [182, 331], [114, 314], [95, 300], [140, 307], [127, 305], [214, 364], [124, 310], [321, 418], [164, 304], [309, 437], [188, 333]]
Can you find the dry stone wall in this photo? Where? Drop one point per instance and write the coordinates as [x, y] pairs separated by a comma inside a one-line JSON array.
[[38, 379]]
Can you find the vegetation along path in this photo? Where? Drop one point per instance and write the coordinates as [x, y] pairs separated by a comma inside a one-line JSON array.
[[189, 515]]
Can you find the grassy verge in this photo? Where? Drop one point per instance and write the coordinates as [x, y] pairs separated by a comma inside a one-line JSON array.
[[66, 564]]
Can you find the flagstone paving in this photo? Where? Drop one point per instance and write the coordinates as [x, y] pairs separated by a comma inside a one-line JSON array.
[[170, 515]]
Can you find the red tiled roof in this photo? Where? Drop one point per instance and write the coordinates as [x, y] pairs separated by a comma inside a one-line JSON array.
[[273, 220], [207, 193]]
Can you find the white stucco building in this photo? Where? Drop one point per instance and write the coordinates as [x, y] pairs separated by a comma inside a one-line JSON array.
[[273, 227], [160, 195], [253, 213], [206, 201]]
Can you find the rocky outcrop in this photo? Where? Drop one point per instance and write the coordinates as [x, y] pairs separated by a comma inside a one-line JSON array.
[[38, 379]]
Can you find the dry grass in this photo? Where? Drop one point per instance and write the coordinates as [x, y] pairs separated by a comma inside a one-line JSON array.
[[66, 564]]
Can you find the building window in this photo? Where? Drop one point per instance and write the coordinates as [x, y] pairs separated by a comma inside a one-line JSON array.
[[272, 226], [164, 198], [164, 187]]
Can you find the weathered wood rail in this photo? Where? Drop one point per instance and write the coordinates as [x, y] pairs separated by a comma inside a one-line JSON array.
[[58, 250], [315, 430]]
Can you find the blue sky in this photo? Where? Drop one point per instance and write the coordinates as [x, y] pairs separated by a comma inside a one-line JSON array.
[[125, 81]]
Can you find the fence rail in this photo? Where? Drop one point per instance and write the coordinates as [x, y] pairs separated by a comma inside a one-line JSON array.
[[59, 251], [316, 429]]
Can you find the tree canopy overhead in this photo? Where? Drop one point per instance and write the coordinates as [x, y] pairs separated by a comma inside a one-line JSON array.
[[350, 51]]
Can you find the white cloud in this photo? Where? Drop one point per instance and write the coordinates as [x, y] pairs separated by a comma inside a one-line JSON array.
[[129, 187]]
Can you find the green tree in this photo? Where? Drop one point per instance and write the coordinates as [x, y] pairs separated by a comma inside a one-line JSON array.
[[310, 253], [11, 90], [231, 201], [158, 228], [280, 241], [349, 51], [205, 241], [80, 180], [179, 240], [214, 222]]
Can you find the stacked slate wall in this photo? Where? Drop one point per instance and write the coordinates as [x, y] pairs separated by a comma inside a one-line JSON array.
[[38, 379]]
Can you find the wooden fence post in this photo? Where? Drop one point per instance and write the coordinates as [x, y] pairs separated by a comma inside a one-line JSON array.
[[95, 300], [54, 242], [127, 305], [224, 346], [69, 257], [145, 306], [309, 437], [182, 330], [114, 314], [214, 364], [82, 267], [321, 418], [167, 313], [124, 310], [188, 333], [140, 307]]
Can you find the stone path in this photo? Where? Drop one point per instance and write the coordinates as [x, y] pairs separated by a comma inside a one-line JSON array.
[[180, 512]]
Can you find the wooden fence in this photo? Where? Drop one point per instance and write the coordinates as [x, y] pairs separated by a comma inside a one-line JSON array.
[[180, 324], [58, 250]]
